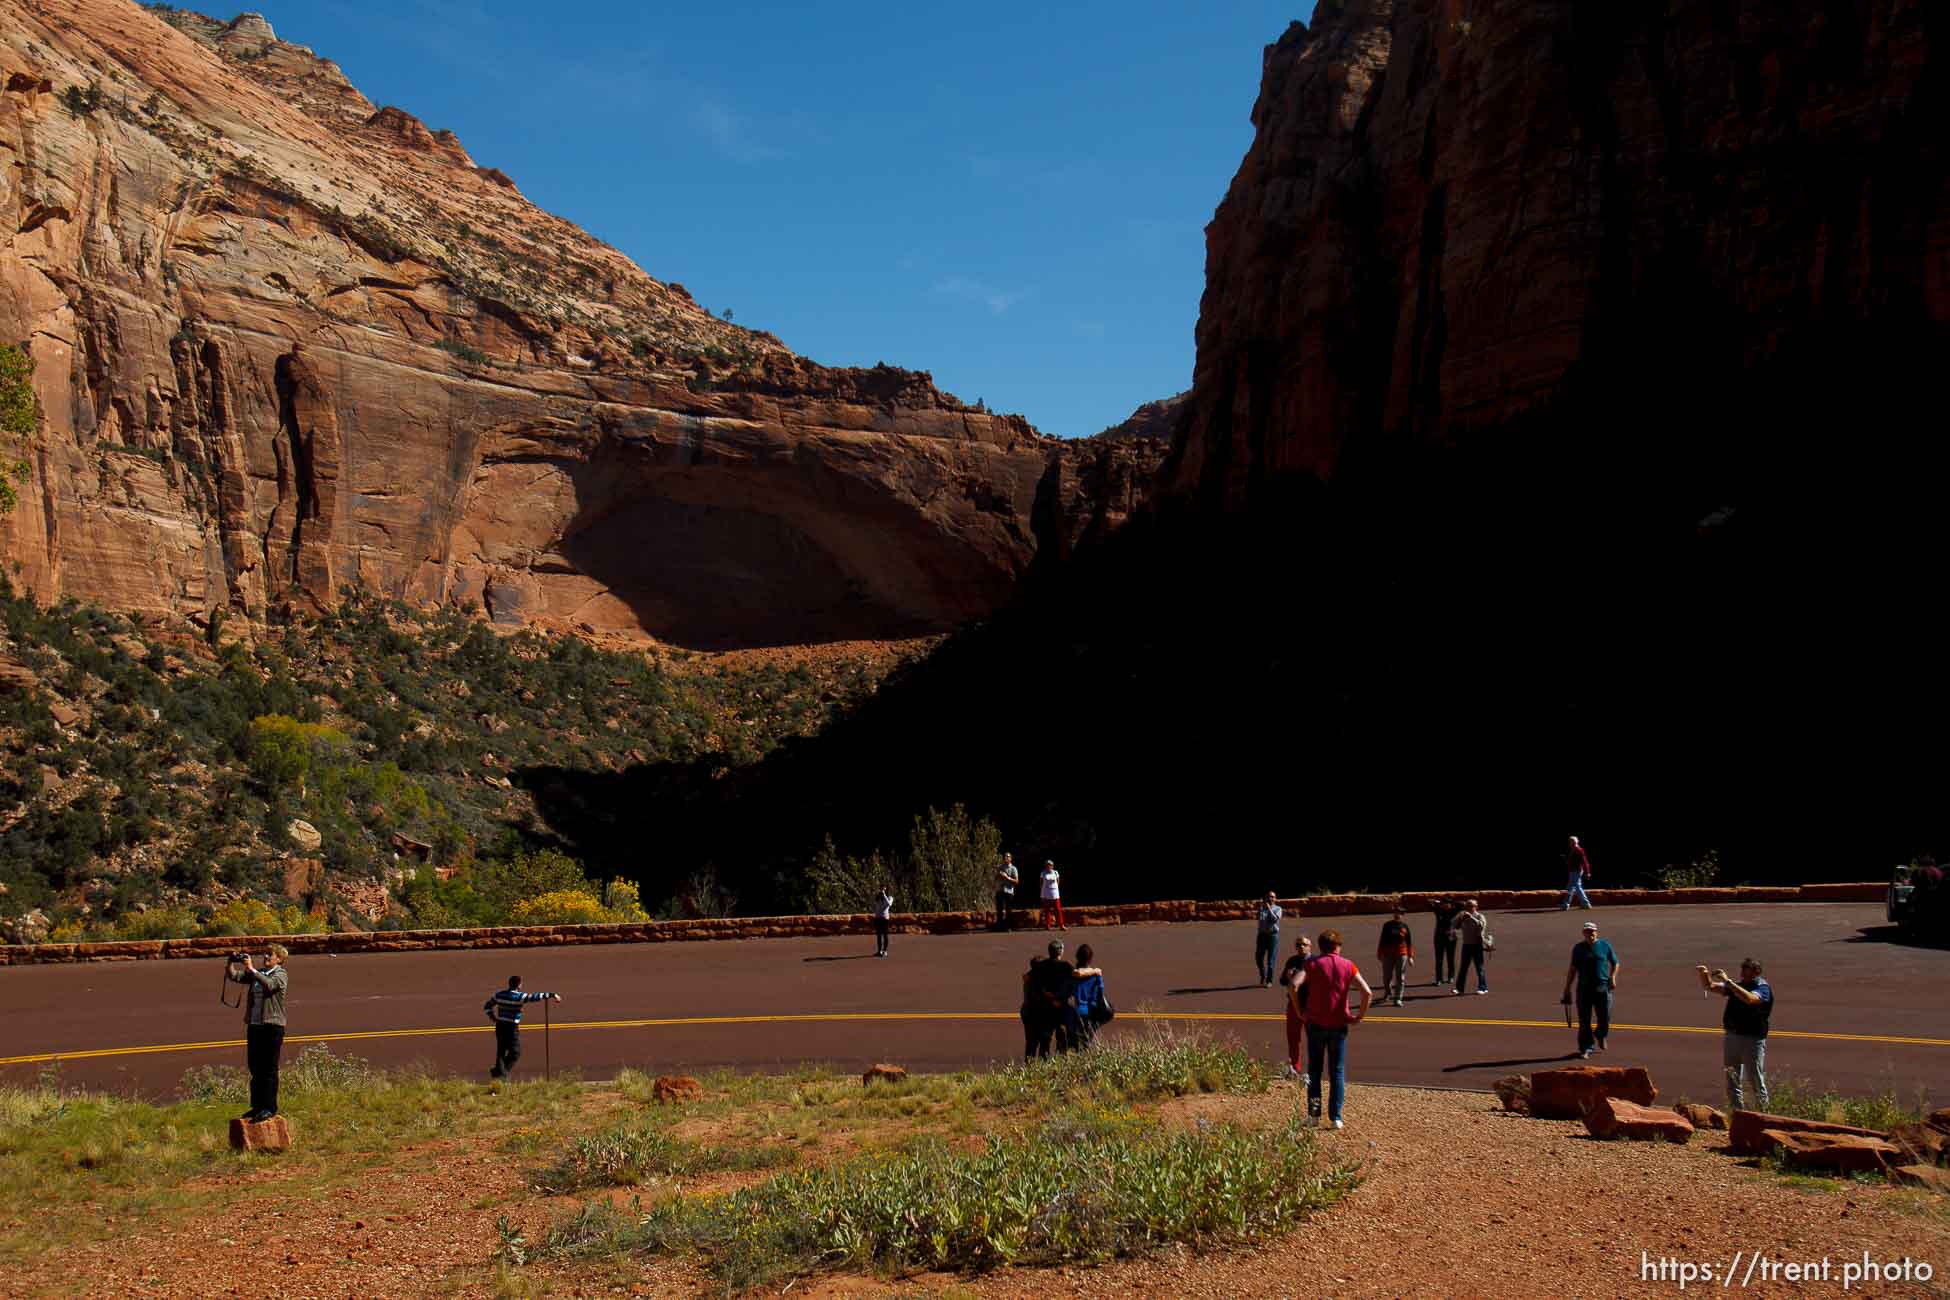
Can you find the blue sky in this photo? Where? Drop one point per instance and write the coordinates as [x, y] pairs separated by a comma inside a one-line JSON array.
[[1013, 198]]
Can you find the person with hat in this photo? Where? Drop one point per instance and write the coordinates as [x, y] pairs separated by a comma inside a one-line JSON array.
[[1594, 968]]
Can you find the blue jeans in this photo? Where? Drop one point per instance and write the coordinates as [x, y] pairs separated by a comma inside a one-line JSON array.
[[1593, 1004], [1265, 949], [1575, 890], [1740, 1051], [1472, 952], [1326, 1047]]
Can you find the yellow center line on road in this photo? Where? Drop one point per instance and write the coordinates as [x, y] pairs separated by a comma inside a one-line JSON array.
[[845, 1017]]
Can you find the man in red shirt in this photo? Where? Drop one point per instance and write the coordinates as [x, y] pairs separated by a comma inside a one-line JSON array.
[[1325, 982], [1578, 867]]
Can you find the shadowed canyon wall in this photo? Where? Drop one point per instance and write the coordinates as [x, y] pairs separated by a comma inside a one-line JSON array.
[[1562, 458]]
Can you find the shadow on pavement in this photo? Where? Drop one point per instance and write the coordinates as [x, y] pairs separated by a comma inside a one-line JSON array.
[[1498, 1065], [855, 956], [1227, 988], [1897, 935]]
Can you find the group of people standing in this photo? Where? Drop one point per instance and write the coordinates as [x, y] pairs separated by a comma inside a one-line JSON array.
[[1063, 1005], [1007, 877]]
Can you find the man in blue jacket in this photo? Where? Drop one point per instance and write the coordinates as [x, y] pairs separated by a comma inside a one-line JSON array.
[[504, 1009]]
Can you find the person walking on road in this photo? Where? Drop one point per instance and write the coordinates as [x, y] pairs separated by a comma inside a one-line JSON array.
[[883, 917], [1594, 967], [1578, 867], [1296, 1011], [1006, 878], [1326, 983], [263, 1025], [504, 1007], [1445, 939], [1397, 954], [1750, 1004], [1474, 929], [1266, 944], [1052, 897]]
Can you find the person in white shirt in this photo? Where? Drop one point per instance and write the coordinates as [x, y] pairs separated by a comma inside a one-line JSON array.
[[1006, 877], [1052, 897], [883, 915]]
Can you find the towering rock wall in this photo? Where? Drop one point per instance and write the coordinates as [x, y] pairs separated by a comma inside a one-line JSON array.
[[1464, 218], [286, 340]]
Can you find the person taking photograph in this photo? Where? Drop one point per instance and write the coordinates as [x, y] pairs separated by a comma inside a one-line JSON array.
[[263, 1024]]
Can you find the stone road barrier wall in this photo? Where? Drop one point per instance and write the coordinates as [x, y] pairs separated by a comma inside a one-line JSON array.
[[787, 927]]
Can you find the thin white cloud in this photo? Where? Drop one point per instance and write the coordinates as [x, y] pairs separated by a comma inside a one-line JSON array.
[[730, 133], [996, 300]]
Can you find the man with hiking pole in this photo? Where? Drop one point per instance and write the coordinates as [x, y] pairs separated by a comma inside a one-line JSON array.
[[504, 1008]]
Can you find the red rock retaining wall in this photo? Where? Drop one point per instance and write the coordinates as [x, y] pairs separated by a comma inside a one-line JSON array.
[[785, 927]]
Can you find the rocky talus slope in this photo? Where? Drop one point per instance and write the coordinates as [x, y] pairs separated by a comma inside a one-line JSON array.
[[287, 340]]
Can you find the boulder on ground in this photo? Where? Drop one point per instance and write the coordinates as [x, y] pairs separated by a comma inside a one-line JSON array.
[[1922, 1143], [272, 1134], [884, 1073], [1568, 1092], [304, 834], [1614, 1117], [1926, 1176], [1747, 1129], [677, 1087], [1835, 1153], [1513, 1090], [1702, 1116]]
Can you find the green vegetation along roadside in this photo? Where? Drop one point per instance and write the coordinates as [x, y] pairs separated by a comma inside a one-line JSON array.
[[153, 777], [1066, 1160], [757, 1178]]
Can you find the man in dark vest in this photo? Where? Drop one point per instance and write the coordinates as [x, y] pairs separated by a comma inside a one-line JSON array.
[[1750, 1003]]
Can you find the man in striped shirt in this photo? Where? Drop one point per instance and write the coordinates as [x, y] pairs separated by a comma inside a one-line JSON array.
[[504, 1009]]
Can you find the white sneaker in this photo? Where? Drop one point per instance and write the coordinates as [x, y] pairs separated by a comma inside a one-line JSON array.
[[1337, 1126], [1482, 993], [1288, 1072]]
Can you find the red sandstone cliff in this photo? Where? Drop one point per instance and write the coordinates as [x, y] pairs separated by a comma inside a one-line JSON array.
[[286, 340], [1458, 218]]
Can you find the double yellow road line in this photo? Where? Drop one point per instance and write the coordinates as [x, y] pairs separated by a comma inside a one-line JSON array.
[[857, 1017]]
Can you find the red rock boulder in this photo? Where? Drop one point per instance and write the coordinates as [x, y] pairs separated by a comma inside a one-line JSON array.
[[1702, 1116], [1613, 1117], [1747, 1130], [1922, 1143], [1513, 1090], [884, 1073], [677, 1087], [273, 1134], [1567, 1093], [1834, 1153], [1925, 1176]]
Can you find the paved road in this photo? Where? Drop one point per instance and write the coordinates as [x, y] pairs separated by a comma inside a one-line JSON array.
[[1847, 997]]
